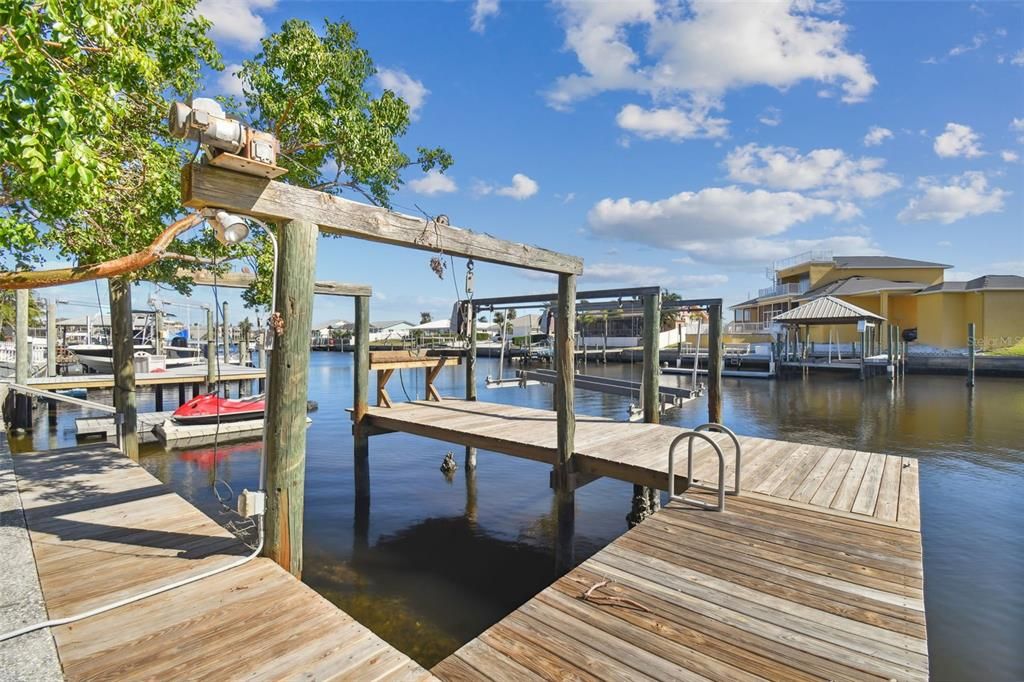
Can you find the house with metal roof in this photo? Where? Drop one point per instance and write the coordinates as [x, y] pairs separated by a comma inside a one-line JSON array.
[[890, 287]]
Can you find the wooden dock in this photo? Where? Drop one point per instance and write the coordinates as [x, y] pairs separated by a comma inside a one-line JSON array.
[[103, 529], [764, 590], [174, 375], [866, 485]]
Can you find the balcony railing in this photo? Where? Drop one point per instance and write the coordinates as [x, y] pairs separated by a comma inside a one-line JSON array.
[[805, 257], [746, 328], [783, 289]]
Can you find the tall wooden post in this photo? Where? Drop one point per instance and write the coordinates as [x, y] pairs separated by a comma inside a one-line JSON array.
[[211, 352], [51, 338], [863, 350], [646, 501], [471, 372], [565, 333], [715, 352], [225, 332], [360, 397], [288, 384], [123, 356], [971, 351], [158, 332], [652, 329], [22, 361]]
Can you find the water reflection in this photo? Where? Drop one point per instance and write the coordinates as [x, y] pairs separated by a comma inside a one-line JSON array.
[[431, 563]]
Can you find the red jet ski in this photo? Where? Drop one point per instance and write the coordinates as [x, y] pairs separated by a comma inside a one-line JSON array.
[[211, 408]]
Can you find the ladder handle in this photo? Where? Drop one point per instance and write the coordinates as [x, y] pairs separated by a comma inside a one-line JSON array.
[[689, 436], [715, 426]]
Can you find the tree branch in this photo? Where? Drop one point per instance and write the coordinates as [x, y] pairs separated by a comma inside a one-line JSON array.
[[111, 268]]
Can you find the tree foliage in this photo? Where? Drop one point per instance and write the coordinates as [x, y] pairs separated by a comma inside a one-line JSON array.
[[86, 170], [311, 90]]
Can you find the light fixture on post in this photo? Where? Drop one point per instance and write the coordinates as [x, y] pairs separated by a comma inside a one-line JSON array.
[[228, 228]]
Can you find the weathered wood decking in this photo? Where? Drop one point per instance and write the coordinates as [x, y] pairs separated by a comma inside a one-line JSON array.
[[175, 375], [764, 590], [866, 485], [103, 529]]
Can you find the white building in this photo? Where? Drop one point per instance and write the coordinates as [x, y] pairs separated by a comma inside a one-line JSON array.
[[389, 330]]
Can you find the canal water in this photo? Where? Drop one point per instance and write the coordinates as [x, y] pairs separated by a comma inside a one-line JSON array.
[[436, 560]]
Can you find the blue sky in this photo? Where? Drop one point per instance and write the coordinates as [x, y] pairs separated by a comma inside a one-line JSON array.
[[680, 143]]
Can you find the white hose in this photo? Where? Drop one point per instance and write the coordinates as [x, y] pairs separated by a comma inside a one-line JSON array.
[[138, 597], [187, 581]]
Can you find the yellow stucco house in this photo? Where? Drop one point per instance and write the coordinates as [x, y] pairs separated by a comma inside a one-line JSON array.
[[909, 293]]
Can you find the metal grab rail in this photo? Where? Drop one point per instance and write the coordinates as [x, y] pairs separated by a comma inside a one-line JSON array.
[[690, 435], [714, 426]]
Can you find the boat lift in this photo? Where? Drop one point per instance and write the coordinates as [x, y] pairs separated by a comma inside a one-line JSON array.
[[619, 300]]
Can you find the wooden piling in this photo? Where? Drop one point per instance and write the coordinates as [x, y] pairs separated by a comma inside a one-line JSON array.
[[471, 373], [123, 357], [715, 352], [288, 383], [971, 352], [181, 394], [158, 398], [211, 353], [565, 333], [22, 361], [652, 329], [360, 397], [51, 338]]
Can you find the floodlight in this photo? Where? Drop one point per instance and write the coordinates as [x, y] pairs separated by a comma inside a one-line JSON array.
[[229, 228]]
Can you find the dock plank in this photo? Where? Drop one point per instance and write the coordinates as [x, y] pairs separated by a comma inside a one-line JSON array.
[[764, 590], [812, 474], [102, 529]]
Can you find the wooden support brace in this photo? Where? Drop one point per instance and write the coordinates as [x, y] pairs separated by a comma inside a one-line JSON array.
[[383, 399], [432, 373]]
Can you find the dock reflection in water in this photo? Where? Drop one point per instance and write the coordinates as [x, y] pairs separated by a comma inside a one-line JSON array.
[[427, 569]]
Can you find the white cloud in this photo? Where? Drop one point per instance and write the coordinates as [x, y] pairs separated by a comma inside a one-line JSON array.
[[522, 187], [405, 86], [876, 136], [434, 182], [714, 213], [1017, 126], [945, 243], [977, 41], [705, 51], [829, 172], [482, 11], [756, 251], [674, 123], [1009, 156], [958, 140], [771, 116], [228, 83], [236, 21], [965, 195], [1018, 58], [640, 275]]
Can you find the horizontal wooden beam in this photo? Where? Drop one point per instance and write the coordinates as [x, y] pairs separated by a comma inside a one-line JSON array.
[[241, 280], [628, 292], [210, 187]]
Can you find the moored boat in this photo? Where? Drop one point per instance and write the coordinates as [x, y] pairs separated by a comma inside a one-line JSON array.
[[211, 409]]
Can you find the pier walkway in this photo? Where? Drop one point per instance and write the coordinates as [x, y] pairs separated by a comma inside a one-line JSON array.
[[195, 374], [764, 590], [103, 529], [862, 485]]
